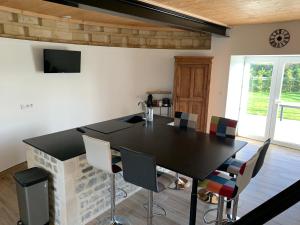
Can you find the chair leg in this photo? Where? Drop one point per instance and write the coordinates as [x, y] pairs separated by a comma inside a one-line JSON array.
[[177, 181], [235, 208], [150, 208], [113, 198], [220, 210], [115, 219]]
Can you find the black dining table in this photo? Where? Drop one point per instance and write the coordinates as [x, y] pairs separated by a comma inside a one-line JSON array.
[[190, 153]]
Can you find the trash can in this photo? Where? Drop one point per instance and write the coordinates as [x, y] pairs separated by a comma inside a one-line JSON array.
[[32, 193]]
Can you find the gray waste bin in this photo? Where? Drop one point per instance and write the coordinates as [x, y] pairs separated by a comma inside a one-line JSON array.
[[32, 192]]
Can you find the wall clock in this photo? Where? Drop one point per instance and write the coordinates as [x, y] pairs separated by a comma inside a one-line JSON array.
[[279, 38]]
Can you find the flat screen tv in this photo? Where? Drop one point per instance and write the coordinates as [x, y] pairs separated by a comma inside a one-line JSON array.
[[61, 61]]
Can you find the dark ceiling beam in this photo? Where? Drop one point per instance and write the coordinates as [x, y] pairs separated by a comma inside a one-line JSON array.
[[148, 12]]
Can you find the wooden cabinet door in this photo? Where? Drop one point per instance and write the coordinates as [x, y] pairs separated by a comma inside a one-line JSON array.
[[191, 88], [199, 94], [182, 88]]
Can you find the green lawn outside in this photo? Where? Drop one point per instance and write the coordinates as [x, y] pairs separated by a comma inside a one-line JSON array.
[[258, 104]]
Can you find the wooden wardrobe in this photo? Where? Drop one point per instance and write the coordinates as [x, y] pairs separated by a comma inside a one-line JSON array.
[[191, 87]]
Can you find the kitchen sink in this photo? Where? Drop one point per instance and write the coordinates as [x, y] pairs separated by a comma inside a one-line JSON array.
[[134, 119]]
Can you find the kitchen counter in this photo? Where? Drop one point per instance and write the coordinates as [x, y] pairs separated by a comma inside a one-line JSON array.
[[78, 192], [68, 144]]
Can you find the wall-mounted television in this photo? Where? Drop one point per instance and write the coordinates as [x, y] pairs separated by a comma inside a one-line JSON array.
[[61, 61]]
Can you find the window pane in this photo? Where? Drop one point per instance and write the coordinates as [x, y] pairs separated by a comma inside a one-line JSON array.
[[288, 114], [255, 103]]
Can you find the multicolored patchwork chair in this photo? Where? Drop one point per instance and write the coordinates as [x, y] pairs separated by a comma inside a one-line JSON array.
[[184, 120], [221, 127], [233, 165], [229, 187]]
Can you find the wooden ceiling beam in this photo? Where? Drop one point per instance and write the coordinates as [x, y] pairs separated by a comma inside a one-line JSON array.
[[148, 12]]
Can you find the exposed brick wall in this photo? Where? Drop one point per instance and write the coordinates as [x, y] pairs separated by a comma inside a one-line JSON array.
[[14, 24], [78, 193]]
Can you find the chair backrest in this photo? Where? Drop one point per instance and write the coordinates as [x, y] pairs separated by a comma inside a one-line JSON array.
[[98, 153], [222, 127], [261, 158], [139, 169], [185, 120], [245, 173]]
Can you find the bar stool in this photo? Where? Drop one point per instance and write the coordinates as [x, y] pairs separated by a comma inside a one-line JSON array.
[[99, 155], [140, 169], [233, 166], [221, 127], [183, 120], [229, 187]]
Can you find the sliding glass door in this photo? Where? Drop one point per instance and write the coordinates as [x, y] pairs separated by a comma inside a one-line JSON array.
[[270, 101], [286, 123], [259, 73]]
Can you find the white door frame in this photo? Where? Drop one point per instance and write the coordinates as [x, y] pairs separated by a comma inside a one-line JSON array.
[[278, 63], [258, 59], [282, 61]]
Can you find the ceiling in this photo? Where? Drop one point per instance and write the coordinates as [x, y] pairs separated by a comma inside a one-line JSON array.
[[224, 12], [57, 10], [236, 12]]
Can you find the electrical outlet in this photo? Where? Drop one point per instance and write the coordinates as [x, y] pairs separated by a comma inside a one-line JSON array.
[[26, 106]]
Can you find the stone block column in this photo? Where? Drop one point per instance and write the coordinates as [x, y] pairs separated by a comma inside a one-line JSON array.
[[78, 192]]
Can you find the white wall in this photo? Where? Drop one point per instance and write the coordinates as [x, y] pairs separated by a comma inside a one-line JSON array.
[[111, 83], [235, 83], [254, 40]]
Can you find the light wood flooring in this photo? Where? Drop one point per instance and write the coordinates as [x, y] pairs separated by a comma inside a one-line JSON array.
[[281, 169]]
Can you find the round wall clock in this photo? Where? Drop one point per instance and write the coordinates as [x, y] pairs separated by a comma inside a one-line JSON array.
[[279, 38]]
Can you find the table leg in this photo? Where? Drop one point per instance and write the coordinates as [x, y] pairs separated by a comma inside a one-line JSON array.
[[228, 204], [281, 113], [193, 206]]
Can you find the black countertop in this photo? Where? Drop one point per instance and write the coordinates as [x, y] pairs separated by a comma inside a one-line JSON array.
[[68, 144]]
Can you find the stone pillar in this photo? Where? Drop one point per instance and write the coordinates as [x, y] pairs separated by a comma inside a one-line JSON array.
[[78, 192]]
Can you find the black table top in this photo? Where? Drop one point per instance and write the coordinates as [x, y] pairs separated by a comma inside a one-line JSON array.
[[190, 153]]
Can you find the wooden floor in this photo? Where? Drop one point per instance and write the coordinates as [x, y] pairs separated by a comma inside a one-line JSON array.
[[281, 169]]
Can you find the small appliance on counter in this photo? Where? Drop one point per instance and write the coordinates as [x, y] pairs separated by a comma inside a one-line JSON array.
[[150, 101], [166, 102], [160, 101], [149, 109]]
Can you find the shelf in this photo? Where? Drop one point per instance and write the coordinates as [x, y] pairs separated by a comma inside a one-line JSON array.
[[163, 106], [159, 92]]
